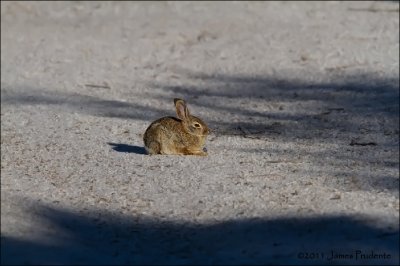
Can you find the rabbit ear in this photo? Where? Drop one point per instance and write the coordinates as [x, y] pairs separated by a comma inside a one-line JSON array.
[[181, 109]]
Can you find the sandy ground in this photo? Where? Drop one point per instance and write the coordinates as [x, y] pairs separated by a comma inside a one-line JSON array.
[[302, 98]]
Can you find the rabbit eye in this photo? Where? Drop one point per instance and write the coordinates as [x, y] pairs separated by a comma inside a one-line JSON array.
[[196, 125]]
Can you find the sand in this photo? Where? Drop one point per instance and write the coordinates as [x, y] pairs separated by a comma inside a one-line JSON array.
[[303, 103]]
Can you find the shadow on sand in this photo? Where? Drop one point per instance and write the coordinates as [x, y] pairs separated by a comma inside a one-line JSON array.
[[114, 239], [127, 148], [345, 103], [358, 113]]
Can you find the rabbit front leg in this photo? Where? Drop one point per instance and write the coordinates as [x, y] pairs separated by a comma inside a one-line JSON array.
[[194, 152], [201, 153]]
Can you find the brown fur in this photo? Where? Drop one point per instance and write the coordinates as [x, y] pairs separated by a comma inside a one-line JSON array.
[[185, 135]]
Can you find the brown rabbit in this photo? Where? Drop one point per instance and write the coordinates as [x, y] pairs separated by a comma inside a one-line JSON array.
[[184, 135]]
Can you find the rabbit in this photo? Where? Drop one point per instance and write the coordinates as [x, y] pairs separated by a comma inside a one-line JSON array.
[[185, 135]]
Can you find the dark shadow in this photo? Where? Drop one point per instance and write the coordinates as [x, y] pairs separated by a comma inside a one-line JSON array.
[[116, 239], [127, 148]]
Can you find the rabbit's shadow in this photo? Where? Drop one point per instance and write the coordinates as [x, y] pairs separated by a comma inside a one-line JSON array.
[[127, 148]]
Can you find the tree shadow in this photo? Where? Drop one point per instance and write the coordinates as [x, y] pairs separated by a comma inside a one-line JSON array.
[[339, 103], [340, 108], [100, 237], [359, 113], [127, 148], [335, 104]]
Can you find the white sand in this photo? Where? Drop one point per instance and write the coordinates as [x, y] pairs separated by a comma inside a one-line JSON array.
[[286, 88]]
